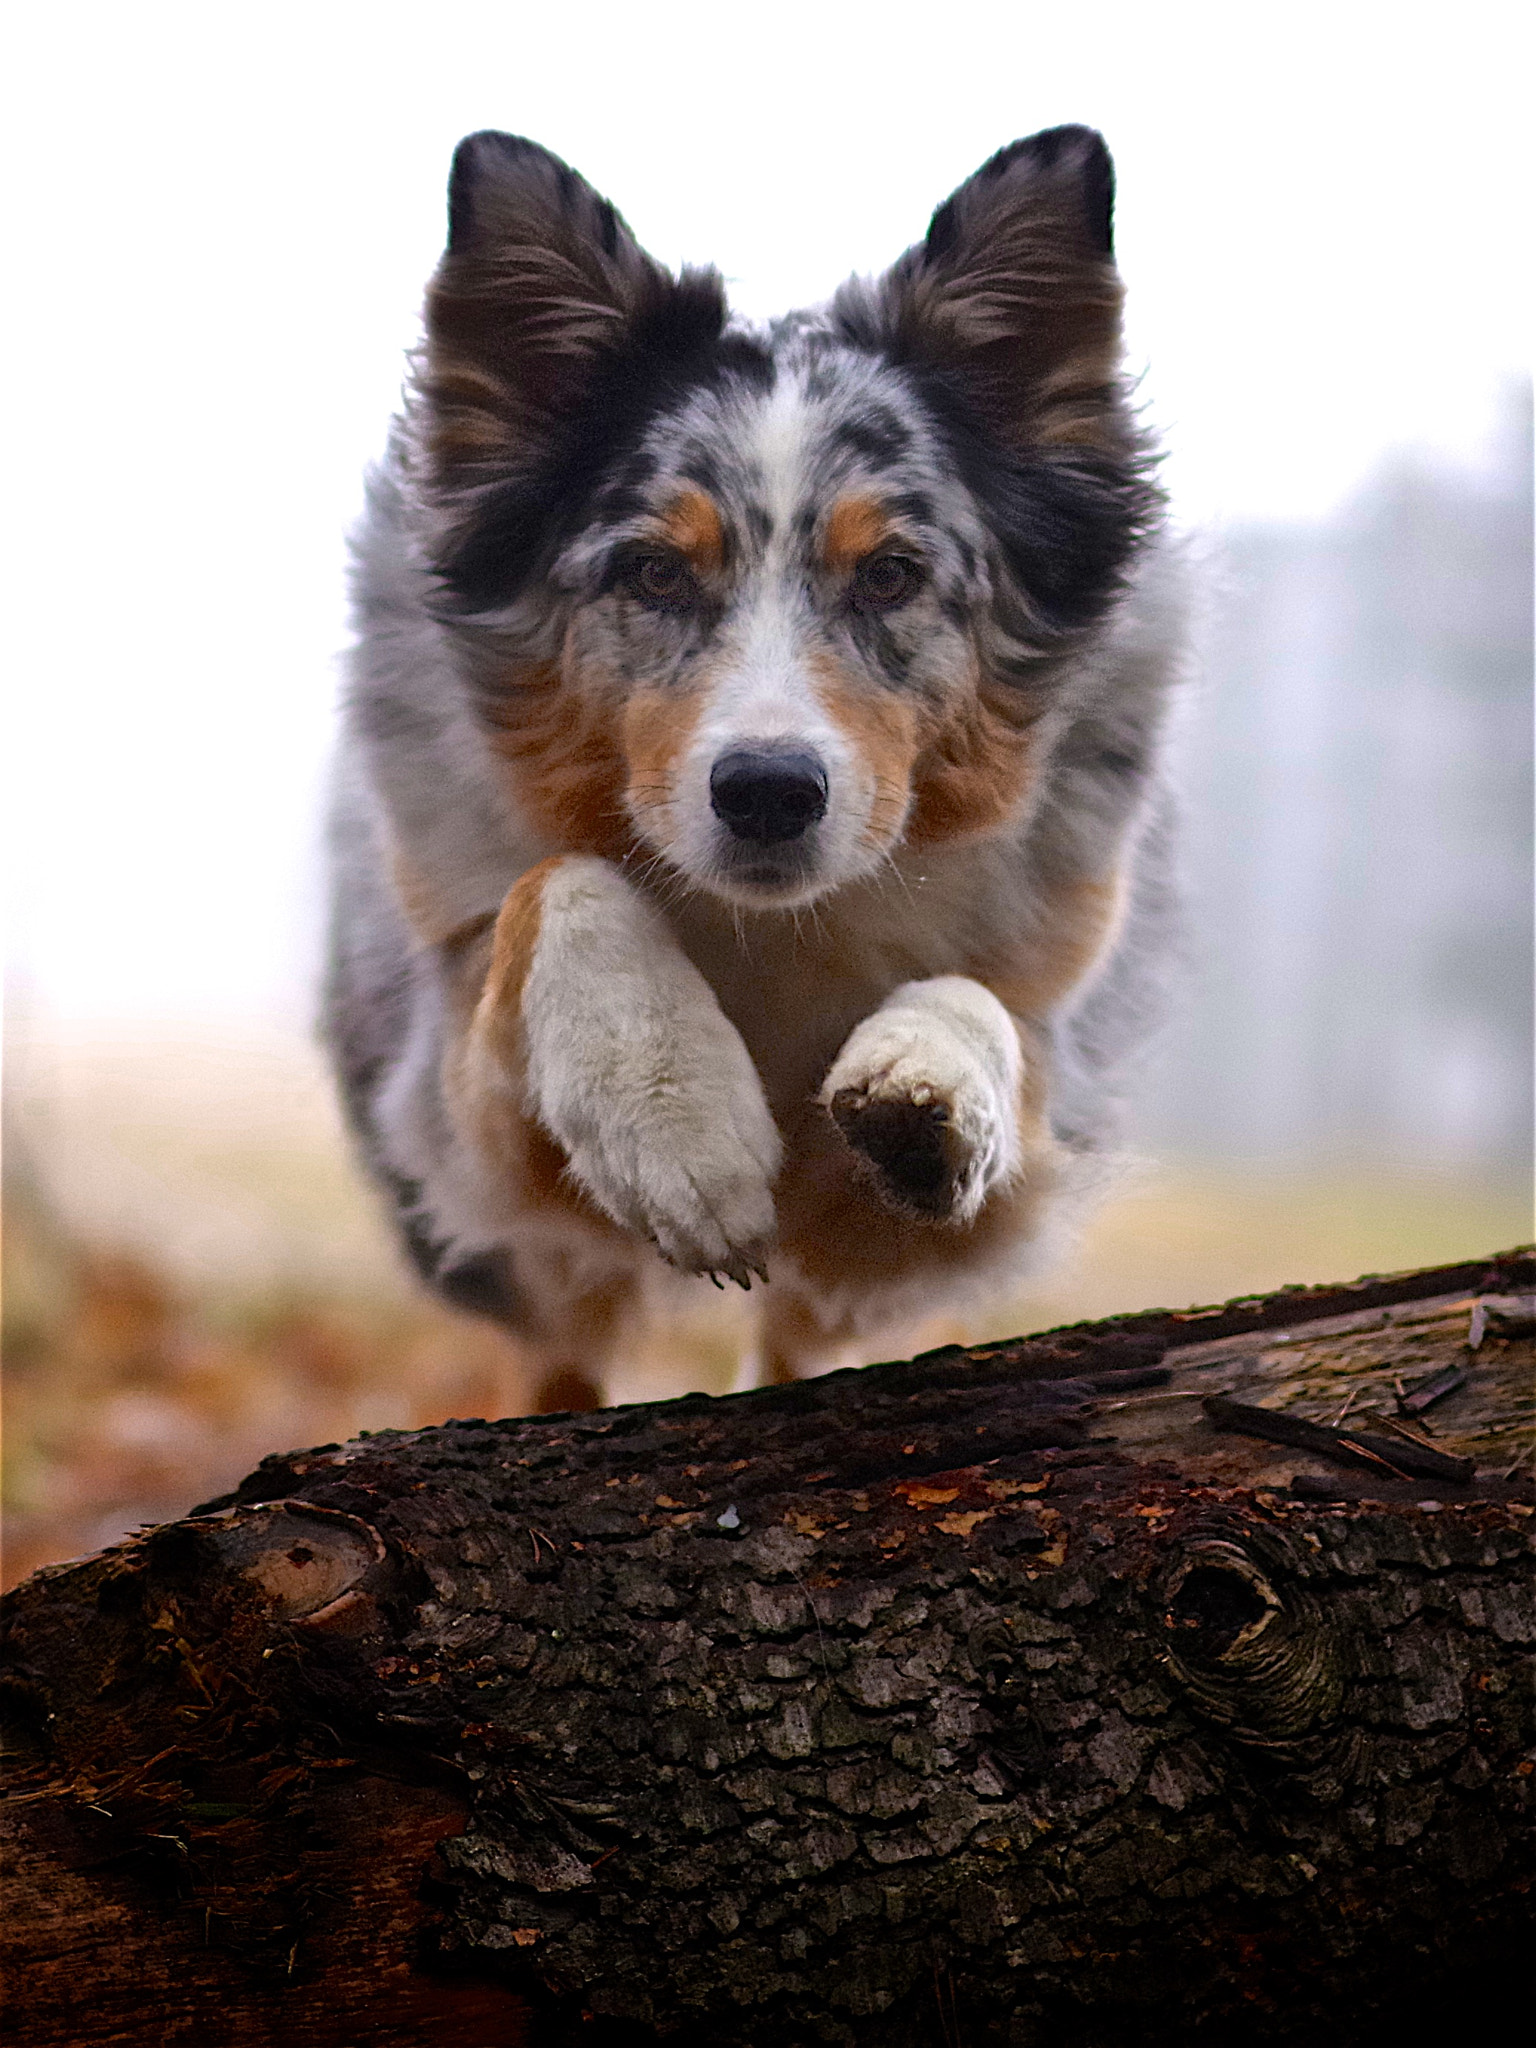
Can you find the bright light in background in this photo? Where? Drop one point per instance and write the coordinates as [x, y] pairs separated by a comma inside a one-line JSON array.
[[228, 215]]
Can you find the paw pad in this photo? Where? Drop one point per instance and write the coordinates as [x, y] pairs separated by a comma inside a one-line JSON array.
[[911, 1147]]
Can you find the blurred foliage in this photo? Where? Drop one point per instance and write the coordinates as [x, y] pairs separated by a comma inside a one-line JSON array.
[[126, 1400]]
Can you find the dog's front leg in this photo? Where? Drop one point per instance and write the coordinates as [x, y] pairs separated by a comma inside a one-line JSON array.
[[933, 1094], [593, 1023]]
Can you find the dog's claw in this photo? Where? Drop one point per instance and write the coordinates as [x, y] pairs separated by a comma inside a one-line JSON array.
[[716, 1281], [759, 1268]]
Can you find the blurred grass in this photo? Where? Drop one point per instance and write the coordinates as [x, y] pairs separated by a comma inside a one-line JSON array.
[[129, 1398], [1201, 1231]]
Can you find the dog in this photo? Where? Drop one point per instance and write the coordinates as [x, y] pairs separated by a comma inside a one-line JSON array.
[[750, 838]]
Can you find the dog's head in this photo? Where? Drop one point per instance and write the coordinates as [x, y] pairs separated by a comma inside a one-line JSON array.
[[768, 606]]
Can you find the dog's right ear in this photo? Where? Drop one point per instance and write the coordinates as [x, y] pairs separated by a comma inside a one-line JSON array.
[[543, 309], [538, 283]]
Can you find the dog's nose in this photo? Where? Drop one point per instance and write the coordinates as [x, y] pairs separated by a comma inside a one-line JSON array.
[[768, 796]]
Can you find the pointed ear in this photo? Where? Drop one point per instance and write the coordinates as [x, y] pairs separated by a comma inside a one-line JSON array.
[[1007, 319], [1013, 296], [542, 304]]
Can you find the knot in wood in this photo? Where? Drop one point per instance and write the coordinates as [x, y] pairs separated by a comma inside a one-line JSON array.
[[1010, 1692], [1247, 1642], [306, 1563], [994, 1648]]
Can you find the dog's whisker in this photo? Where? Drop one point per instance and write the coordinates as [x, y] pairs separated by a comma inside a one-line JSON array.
[[892, 867]]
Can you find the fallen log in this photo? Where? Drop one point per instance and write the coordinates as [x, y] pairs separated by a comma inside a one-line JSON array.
[[994, 1696]]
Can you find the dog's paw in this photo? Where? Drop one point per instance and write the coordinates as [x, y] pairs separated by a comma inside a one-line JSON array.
[[634, 1069], [929, 1116], [919, 1161], [690, 1169]]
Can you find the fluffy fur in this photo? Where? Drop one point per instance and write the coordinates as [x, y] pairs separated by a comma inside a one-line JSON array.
[[749, 846]]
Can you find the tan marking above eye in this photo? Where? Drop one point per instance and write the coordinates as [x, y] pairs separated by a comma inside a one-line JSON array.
[[693, 526], [855, 527]]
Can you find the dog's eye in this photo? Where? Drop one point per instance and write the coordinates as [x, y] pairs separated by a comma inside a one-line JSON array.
[[881, 582], [661, 582]]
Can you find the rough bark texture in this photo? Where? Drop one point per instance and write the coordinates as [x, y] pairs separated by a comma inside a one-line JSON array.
[[991, 1697]]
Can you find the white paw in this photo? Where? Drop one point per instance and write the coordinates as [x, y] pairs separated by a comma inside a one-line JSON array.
[[686, 1159], [925, 1092], [636, 1070]]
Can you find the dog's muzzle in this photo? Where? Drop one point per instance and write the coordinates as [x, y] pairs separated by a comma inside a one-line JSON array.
[[768, 796]]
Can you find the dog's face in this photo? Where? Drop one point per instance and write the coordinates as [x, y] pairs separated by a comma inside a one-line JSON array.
[[785, 599], [767, 607]]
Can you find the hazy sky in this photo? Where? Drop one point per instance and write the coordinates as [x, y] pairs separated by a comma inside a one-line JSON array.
[[224, 215]]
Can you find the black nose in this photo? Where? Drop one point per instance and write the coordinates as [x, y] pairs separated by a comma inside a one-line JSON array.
[[768, 796]]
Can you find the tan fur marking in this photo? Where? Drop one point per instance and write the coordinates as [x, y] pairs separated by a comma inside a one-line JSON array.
[[855, 528], [559, 744], [972, 775], [517, 933], [693, 526], [485, 1068], [657, 728], [1073, 925], [497, 1022], [881, 727]]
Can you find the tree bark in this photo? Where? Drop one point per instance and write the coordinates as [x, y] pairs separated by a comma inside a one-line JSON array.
[[997, 1696]]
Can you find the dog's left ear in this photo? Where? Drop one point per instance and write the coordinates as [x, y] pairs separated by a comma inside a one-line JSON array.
[[1013, 296], [1007, 317]]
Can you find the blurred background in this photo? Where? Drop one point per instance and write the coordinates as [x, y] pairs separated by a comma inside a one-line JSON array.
[[223, 221]]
